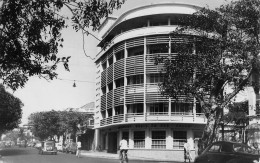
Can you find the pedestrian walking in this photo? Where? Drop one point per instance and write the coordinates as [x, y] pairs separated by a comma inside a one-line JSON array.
[[187, 153], [78, 149]]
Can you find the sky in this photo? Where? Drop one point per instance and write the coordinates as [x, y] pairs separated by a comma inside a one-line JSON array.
[[59, 94]]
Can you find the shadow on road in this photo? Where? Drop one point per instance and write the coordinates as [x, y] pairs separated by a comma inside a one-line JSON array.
[[14, 151]]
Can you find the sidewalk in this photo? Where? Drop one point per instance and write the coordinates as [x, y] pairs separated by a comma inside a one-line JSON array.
[[97, 154]]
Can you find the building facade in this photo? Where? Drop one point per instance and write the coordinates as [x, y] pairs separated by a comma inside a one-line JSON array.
[[128, 101]]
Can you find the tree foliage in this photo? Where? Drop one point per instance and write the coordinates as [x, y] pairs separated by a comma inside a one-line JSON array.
[[30, 34], [56, 123], [10, 110], [217, 59]]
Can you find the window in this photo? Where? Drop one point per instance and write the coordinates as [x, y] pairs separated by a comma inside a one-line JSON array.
[[243, 149], [181, 48], [158, 20], [109, 112], [104, 65], [157, 48], [110, 61], [214, 148], [110, 86], [182, 108], [119, 82], [139, 139], [136, 79], [156, 78], [159, 108], [119, 55], [119, 110], [135, 108], [158, 139], [179, 138], [135, 51]]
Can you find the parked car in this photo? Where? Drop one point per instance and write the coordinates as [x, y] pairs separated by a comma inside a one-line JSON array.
[[228, 152], [71, 147], [59, 147], [48, 147], [38, 145]]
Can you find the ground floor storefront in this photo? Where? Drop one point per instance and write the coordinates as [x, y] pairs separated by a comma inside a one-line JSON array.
[[150, 139]]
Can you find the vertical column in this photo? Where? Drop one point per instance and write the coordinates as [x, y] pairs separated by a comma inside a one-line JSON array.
[[107, 89], [194, 77], [148, 138], [119, 138], [169, 139], [97, 139], [170, 102], [145, 54], [131, 139], [125, 82], [114, 83], [107, 141]]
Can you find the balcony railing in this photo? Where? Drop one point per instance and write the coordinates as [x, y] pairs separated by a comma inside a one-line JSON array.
[[154, 117]]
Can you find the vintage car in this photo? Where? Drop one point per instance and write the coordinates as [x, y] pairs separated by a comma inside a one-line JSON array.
[[48, 147], [228, 152]]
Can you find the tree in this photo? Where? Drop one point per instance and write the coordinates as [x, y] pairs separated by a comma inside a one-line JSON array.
[[73, 119], [45, 124], [30, 34], [10, 110], [56, 123], [217, 59]]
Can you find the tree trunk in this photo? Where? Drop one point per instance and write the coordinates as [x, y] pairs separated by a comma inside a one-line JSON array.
[[210, 130]]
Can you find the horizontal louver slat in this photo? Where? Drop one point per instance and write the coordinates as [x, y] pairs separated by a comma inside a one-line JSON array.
[[135, 42], [119, 96], [119, 69], [103, 79], [119, 47]]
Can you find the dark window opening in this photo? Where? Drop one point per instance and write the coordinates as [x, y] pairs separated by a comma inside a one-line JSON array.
[[110, 61], [119, 82], [120, 55], [158, 139], [136, 79], [104, 65], [119, 110], [135, 108], [135, 51], [110, 86], [139, 139], [109, 112], [158, 48], [103, 90]]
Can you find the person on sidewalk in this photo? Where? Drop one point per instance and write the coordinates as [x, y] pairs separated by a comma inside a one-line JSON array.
[[187, 153], [123, 146], [78, 149]]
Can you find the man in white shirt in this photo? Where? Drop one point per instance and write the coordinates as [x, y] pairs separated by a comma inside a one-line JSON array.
[[78, 148], [123, 147], [187, 154]]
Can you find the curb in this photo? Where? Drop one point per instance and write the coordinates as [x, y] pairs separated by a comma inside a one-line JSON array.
[[130, 158]]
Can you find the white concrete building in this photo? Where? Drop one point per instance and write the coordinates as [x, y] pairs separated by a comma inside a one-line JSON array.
[[128, 102]]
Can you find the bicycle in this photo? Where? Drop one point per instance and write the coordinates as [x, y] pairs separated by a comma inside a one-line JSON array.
[[124, 158]]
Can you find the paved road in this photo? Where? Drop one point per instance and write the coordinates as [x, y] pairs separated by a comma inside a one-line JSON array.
[[30, 155]]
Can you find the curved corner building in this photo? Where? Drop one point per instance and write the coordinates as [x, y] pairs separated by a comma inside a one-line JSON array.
[[128, 101]]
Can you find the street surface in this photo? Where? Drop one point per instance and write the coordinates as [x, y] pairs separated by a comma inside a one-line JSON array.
[[30, 155]]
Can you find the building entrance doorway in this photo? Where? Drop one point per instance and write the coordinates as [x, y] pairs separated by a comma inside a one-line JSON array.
[[112, 142]]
